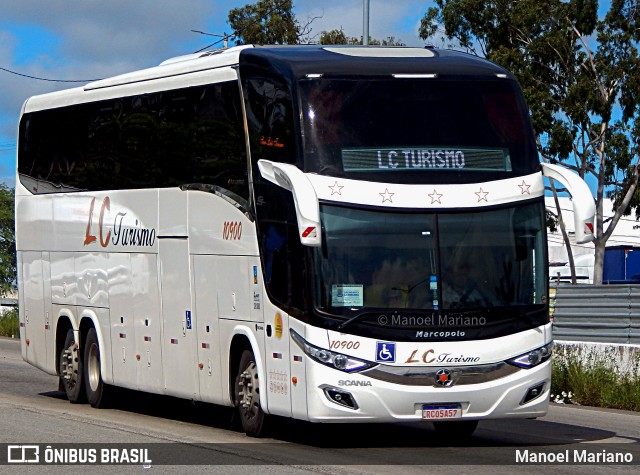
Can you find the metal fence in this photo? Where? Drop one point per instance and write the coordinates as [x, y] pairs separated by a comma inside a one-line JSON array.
[[597, 313]]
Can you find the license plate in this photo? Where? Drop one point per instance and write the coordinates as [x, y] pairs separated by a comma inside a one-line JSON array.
[[441, 411]]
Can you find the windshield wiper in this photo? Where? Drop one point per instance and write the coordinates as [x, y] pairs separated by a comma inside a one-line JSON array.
[[360, 316], [462, 313], [411, 288], [485, 310]]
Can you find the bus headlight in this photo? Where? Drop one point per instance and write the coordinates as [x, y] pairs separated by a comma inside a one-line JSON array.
[[338, 361], [533, 357]]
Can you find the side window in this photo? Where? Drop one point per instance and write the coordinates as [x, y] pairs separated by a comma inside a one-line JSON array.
[[270, 119], [52, 150], [106, 123], [170, 138], [280, 247], [274, 245], [219, 154]]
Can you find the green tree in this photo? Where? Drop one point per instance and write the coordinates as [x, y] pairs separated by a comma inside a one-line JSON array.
[[267, 22], [581, 77], [7, 241], [337, 37]]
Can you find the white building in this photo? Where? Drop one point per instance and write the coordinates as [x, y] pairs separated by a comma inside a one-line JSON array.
[[627, 232]]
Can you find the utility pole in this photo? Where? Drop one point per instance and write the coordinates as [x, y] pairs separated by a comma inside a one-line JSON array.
[[365, 22]]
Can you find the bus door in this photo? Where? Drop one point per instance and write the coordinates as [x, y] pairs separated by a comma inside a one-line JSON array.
[[179, 339]]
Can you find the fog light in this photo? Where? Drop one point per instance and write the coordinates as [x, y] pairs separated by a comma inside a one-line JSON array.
[[533, 393], [343, 398]]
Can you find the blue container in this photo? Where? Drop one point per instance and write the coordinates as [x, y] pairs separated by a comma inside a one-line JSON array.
[[621, 264]]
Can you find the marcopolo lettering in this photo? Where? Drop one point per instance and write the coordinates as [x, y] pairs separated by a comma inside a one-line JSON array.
[[439, 334]]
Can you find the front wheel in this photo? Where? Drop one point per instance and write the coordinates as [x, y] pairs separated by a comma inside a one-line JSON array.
[[70, 369], [95, 388], [247, 395]]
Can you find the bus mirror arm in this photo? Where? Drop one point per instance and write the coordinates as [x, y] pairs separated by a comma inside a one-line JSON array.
[[305, 199], [584, 208]]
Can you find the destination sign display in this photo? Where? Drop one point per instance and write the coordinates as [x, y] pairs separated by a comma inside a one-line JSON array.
[[426, 159]]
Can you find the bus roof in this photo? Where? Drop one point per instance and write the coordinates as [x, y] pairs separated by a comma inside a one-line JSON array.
[[297, 61], [371, 61]]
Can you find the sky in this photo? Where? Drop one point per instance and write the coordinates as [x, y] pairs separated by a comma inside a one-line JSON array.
[[90, 39]]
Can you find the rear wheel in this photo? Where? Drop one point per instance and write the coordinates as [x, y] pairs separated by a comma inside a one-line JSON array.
[[70, 369], [95, 388], [455, 430], [247, 395]]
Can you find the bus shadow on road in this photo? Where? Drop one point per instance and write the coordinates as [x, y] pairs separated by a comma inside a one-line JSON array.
[[490, 433]]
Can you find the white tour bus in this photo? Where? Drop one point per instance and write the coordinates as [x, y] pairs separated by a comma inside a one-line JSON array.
[[324, 233]]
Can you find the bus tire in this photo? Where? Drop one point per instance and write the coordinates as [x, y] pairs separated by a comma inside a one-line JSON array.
[[247, 395], [455, 430], [95, 387], [70, 369]]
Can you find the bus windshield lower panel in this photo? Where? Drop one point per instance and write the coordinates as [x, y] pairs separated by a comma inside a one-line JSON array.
[[374, 261]]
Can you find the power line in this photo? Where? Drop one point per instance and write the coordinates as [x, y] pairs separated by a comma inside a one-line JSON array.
[[46, 79], [224, 36], [238, 32]]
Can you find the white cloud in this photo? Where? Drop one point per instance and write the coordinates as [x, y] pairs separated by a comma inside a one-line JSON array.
[[384, 20], [98, 38]]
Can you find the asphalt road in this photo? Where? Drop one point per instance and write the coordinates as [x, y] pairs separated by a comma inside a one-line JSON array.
[[195, 437]]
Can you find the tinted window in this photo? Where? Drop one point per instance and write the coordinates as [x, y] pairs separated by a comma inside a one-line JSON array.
[[270, 119], [428, 261], [416, 130], [165, 139]]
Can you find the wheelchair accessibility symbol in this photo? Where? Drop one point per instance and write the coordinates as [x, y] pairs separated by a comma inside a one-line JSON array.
[[385, 351]]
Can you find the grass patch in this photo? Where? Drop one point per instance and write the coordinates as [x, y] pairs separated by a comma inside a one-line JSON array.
[[589, 378], [9, 324]]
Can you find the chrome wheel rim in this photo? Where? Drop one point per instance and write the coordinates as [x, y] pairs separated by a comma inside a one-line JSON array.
[[248, 392], [93, 367]]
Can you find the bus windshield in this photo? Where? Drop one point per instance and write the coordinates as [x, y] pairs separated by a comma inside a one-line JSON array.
[[428, 261], [416, 130]]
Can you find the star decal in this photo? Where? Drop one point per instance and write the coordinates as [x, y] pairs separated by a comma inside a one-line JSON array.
[[386, 196], [482, 195], [524, 188], [435, 197], [336, 189]]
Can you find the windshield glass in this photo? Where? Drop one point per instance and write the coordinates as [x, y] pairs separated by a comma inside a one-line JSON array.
[[421, 261], [416, 130]]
